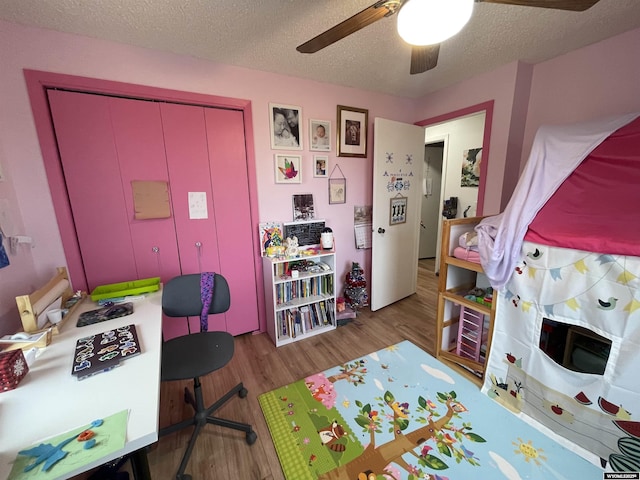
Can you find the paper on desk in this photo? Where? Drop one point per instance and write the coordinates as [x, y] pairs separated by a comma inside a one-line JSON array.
[[110, 437]]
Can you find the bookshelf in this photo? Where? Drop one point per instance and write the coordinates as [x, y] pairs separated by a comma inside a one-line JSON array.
[[300, 305], [463, 327]]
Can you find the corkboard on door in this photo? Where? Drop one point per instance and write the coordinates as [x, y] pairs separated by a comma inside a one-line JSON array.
[[150, 199]]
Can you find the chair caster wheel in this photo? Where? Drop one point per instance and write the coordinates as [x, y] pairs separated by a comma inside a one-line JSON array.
[[243, 392], [251, 437]]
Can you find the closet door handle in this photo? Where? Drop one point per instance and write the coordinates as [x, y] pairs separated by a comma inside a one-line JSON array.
[[198, 244], [155, 249]]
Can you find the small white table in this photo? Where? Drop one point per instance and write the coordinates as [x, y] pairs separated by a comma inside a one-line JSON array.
[[50, 401]]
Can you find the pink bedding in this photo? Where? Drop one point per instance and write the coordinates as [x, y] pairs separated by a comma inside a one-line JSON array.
[[466, 254], [597, 208]]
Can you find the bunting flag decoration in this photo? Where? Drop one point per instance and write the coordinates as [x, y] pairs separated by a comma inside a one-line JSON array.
[[572, 303], [632, 306], [508, 294], [556, 274], [526, 306], [580, 266], [605, 259], [625, 277], [548, 309], [532, 272]]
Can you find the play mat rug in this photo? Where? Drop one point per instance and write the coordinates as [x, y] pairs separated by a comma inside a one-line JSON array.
[[401, 414]]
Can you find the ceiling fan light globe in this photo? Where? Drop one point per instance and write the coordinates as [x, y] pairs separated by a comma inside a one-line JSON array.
[[428, 22]]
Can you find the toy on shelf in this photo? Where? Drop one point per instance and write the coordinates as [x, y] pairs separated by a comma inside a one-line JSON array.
[[481, 296], [292, 249]]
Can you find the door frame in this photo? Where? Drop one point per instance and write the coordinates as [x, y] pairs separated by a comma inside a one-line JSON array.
[[38, 82], [487, 107], [444, 138]]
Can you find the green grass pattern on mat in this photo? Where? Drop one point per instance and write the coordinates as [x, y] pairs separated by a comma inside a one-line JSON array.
[[292, 463]]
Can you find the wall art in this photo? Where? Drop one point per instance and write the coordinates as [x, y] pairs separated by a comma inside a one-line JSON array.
[[284, 122], [352, 131]]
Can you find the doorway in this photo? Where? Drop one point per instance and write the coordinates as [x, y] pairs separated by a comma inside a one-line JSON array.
[[431, 188], [453, 134]]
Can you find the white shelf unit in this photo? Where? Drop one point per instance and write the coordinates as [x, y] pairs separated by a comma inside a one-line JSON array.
[[456, 278], [301, 307]]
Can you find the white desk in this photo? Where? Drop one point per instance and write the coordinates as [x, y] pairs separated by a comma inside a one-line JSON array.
[[50, 401]]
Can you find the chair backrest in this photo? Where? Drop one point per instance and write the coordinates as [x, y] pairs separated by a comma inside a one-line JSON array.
[[181, 296]]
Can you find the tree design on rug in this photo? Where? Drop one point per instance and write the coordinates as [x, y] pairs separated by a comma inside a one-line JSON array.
[[321, 386], [447, 439]]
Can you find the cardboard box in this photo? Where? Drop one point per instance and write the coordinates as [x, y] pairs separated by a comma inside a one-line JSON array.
[[13, 368]]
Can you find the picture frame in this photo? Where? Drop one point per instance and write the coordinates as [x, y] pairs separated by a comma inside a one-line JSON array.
[[285, 125], [287, 168], [397, 210], [351, 132], [320, 165], [270, 236], [319, 135], [303, 208], [337, 190]]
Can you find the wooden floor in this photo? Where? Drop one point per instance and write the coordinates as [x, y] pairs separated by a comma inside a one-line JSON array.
[[222, 453]]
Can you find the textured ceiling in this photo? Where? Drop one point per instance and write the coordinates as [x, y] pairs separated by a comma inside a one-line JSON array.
[[263, 35]]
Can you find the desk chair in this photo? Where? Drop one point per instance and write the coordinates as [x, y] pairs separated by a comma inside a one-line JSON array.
[[198, 354]]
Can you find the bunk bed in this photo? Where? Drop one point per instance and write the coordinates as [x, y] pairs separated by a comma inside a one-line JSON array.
[[565, 257]]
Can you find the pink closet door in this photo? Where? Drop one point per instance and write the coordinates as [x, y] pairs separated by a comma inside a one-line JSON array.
[[188, 164], [137, 128], [229, 179], [89, 160]]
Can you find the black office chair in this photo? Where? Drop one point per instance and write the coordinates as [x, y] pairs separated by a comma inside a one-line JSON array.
[[198, 354]]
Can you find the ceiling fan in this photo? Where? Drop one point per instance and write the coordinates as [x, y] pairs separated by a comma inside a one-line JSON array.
[[424, 53]]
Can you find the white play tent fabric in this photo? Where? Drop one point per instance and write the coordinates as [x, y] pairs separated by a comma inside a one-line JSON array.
[[568, 287], [556, 152]]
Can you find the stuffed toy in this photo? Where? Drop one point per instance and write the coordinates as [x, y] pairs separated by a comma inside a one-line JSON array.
[[292, 249]]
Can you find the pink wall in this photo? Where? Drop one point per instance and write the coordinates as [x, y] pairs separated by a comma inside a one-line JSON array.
[[74, 55], [596, 81]]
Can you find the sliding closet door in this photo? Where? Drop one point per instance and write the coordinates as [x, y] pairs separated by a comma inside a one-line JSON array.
[[185, 143], [106, 143], [229, 179], [92, 173], [137, 129]]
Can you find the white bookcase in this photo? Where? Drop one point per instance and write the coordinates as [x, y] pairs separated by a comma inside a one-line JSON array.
[[303, 306]]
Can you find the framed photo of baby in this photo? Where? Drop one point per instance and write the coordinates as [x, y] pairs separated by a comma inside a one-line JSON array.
[[320, 135], [284, 122]]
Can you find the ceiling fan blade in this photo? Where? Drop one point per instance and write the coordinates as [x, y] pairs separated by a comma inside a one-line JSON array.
[[573, 5], [424, 58], [360, 20]]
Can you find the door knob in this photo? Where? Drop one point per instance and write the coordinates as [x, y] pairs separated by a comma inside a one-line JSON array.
[[381, 230], [422, 224]]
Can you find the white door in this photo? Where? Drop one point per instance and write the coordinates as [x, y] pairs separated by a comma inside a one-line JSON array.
[[398, 155]]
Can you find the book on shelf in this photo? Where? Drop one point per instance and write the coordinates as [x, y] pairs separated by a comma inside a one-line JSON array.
[[103, 352], [323, 312], [290, 324], [306, 318]]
